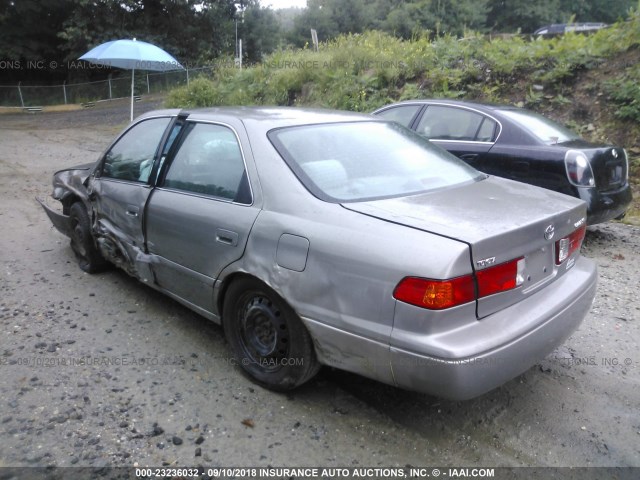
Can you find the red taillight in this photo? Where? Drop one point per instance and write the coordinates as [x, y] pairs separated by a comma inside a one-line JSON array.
[[435, 294], [500, 278], [566, 246], [442, 294]]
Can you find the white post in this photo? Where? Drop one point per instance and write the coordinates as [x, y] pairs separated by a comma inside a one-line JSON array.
[[148, 88], [187, 76], [20, 93], [110, 97], [240, 51], [64, 90], [132, 76]]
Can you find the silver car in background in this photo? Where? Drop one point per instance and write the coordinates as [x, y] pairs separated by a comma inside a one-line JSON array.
[[327, 238]]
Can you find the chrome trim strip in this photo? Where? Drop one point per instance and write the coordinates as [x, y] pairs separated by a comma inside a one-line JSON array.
[[460, 141], [452, 105]]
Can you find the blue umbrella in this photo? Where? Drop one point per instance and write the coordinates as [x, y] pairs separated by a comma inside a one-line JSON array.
[[131, 55]]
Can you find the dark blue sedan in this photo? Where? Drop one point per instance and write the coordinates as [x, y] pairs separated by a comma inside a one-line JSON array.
[[521, 145]]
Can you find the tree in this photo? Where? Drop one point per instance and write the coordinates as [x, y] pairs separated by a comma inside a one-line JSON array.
[[188, 29], [527, 16], [260, 32], [521, 15], [607, 11], [29, 28], [316, 16], [402, 22]]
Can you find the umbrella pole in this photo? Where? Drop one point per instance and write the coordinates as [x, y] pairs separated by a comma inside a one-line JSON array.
[[132, 75]]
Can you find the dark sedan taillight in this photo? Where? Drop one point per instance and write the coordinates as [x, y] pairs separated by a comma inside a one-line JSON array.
[[579, 169]]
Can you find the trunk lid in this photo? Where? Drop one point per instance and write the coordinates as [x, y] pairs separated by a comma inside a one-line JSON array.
[[500, 220], [609, 163], [610, 168]]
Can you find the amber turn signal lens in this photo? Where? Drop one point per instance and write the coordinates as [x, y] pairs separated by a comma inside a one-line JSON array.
[[435, 294]]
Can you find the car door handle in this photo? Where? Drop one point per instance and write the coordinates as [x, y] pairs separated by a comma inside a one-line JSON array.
[[469, 156], [227, 237], [132, 211]]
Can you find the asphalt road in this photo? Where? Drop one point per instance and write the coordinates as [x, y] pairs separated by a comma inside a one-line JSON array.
[[99, 370]]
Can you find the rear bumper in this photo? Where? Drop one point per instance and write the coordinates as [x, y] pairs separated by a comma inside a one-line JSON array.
[[543, 321], [605, 206]]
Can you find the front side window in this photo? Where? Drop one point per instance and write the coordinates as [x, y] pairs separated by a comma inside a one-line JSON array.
[[131, 158], [449, 123], [402, 114], [209, 162], [357, 161]]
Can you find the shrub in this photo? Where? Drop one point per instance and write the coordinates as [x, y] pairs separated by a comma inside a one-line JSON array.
[[363, 71]]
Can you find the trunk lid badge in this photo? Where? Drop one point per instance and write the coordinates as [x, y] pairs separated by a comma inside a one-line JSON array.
[[549, 232]]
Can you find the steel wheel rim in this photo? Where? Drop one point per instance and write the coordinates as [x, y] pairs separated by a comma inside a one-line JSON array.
[[263, 332]]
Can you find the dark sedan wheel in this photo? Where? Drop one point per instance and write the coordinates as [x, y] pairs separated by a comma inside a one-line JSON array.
[[89, 257], [268, 339]]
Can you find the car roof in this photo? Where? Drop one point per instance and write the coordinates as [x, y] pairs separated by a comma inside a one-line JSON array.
[[487, 107], [270, 117]]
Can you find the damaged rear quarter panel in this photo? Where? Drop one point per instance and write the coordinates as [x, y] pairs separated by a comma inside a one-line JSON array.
[[343, 297]]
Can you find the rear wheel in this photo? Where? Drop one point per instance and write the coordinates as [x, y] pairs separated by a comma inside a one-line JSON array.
[[89, 258], [268, 339]]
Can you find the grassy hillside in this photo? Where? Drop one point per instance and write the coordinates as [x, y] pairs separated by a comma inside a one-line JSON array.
[[589, 82]]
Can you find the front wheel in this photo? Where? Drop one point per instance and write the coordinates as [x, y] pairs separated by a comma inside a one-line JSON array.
[[89, 258], [267, 338]]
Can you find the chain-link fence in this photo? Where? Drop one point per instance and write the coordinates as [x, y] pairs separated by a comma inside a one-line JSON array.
[[119, 87]]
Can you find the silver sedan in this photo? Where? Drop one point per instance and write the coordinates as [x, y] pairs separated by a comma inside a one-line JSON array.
[[328, 238]]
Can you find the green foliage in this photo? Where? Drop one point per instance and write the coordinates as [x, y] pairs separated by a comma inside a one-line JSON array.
[[526, 16], [624, 91], [260, 32], [187, 29], [363, 71], [201, 92], [400, 18], [29, 31], [198, 32]]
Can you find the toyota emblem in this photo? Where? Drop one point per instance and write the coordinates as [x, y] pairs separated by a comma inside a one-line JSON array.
[[549, 232]]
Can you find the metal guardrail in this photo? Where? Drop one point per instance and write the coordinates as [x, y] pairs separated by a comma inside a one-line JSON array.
[[29, 96]]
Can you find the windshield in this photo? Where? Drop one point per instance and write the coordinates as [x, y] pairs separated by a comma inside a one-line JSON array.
[[343, 162], [541, 127]]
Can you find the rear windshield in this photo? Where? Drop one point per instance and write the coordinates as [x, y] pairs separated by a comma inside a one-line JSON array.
[[346, 162], [541, 127]]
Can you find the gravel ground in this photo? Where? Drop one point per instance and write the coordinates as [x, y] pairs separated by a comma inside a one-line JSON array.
[[99, 370]]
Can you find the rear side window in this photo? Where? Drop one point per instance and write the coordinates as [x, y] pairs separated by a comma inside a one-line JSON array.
[[457, 124], [402, 115], [131, 158], [209, 162], [544, 129]]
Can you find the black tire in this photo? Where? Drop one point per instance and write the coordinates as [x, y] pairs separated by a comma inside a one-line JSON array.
[[89, 258], [268, 339]]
